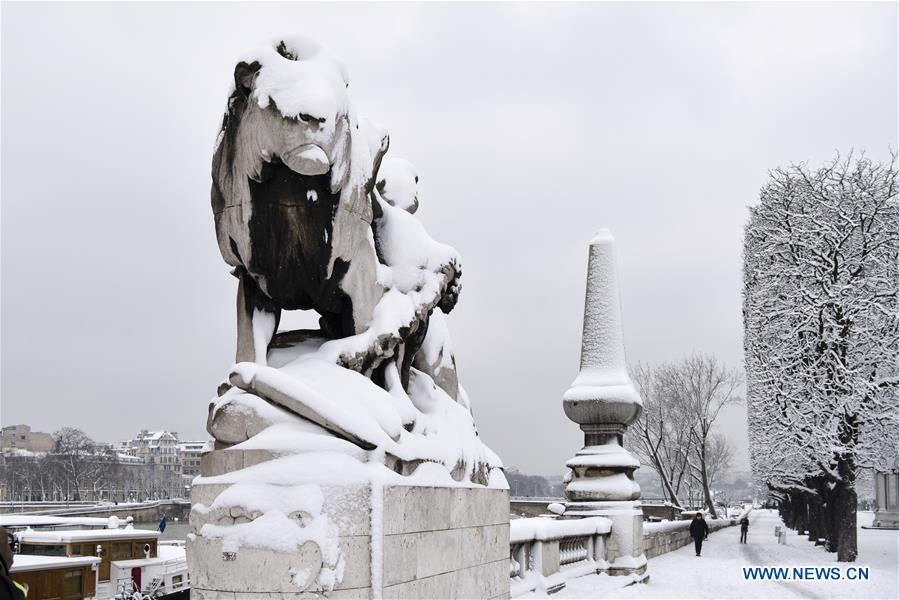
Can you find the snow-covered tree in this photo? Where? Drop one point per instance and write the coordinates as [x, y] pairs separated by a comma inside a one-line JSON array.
[[675, 432], [703, 387], [660, 437], [821, 295]]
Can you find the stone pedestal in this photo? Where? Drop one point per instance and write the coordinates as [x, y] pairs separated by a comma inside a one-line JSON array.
[[624, 546], [417, 542], [886, 491], [603, 401]]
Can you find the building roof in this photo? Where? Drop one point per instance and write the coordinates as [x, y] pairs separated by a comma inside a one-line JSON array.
[[44, 521], [195, 446], [29, 562], [84, 535], [155, 436]]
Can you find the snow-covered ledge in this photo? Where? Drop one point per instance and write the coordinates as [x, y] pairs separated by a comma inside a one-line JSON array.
[[545, 552]]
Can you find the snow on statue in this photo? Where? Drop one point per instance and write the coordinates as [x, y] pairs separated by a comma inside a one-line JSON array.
[[312, 216]]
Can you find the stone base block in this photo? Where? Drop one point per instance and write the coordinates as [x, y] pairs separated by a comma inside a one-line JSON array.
[[421, 542], [624, 546], [886, 519]]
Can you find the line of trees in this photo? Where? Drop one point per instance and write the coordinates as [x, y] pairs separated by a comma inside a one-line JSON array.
[[821, 339], [676, 434], [523, 485], [80, 469]]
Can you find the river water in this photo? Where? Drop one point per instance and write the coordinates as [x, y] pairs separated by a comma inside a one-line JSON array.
[[174, 530]]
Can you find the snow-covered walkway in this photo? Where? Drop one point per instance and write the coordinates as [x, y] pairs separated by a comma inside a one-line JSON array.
[[718, 572]]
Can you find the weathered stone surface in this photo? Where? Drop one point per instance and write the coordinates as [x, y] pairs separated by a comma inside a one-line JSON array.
[[489, 580], [484, 544], [218, 462], [241, 573], [431, 556], [237, 416], [349, 508], [479, 506], [409, 509], [549, 564], [462, 553], [348, 594], [357, 554]]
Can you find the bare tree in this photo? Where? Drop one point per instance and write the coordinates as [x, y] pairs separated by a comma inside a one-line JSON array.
[[675, 433], [656, 437], [76, 454], [720, 455], [703, 387]]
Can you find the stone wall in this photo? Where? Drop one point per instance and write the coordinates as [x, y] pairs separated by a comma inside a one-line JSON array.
[[421, 542], [530, 508], [445, 543], [660, 512], [659, 538]]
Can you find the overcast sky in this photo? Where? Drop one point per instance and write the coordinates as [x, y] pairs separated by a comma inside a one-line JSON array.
[[531, 126]]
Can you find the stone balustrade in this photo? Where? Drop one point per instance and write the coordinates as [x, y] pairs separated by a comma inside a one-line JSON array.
[[545, 552]]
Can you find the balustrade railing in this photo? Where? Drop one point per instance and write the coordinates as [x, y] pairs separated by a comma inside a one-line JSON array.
[[545, 552]]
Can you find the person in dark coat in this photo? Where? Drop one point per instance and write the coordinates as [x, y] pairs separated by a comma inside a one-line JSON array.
[[699, 530], [9, 588], [744, 529]]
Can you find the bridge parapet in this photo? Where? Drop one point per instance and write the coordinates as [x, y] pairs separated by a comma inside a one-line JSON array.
[[546, 552]]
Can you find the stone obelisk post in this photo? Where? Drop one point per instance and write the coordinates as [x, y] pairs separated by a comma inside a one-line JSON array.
[[604, 401]]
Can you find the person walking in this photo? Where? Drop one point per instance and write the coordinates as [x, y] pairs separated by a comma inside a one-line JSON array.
[[699, 530], [744, 529]]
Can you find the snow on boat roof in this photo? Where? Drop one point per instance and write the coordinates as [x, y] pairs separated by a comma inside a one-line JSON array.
[[44, 521], [81, 535], [29, 562]]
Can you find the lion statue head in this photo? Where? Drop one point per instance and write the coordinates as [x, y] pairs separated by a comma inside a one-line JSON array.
[[290, 181]]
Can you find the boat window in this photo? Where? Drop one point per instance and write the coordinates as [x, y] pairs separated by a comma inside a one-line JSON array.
[[43, 549], [121, 551], [176, 581], [71, 587]]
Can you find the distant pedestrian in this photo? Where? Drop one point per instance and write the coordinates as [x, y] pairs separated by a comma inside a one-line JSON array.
[[744, 529], [162, 524], [699, 530]]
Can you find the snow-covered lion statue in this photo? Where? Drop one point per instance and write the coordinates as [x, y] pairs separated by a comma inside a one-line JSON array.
[[312, 216], [311, 426]]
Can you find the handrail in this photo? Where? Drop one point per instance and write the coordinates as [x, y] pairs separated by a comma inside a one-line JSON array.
[[544, 552]]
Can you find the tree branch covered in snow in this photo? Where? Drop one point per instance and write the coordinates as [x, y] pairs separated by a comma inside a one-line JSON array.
[[821, 279]]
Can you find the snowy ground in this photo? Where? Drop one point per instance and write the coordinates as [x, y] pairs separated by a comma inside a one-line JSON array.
[[718, 572]]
